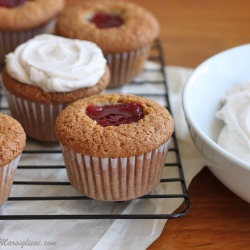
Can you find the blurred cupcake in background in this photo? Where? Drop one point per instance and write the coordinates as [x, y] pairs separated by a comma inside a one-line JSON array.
[[123, 30], [12, 143], [21, 20], [46, 73]]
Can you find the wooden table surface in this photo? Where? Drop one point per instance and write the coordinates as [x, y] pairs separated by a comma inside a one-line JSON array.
[[192, 31]]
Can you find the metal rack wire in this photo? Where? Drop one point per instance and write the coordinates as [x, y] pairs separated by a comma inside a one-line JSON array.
[[47, 151]]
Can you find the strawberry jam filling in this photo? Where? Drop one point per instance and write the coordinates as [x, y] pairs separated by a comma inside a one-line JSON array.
[[11, 3], [106, 20], [115, 115]]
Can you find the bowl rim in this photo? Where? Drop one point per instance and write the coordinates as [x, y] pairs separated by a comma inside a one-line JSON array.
[[205, 137]]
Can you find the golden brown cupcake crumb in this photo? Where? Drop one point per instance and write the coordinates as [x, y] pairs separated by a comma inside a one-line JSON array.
[[140, 27], [36, 94], [12, 139], [77, 131], [29, 15]]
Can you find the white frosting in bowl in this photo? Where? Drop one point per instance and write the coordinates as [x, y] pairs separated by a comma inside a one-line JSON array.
[[235, 112], [56, 64]]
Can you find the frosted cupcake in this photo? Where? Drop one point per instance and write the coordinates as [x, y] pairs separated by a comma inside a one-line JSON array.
[[114, 146], [46, 73], [123, 30], [21, 20], [12, 143]]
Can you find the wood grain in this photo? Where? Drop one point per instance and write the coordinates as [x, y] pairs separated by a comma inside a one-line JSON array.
[[192, 31]]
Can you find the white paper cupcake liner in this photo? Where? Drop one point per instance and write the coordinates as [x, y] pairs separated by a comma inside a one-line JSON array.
[[9, 40], [115, 179], [37, 119], [6, 177], [125, 66]]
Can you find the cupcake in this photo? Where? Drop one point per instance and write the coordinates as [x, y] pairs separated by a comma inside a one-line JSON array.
[[12, 143], [114, 145], [20, 20], [46, 73], [123, 30]]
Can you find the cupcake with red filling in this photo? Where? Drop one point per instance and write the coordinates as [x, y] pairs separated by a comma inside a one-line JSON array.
[[20, 20], [46, 73], [114, 145], [12, 143], [123, 30]]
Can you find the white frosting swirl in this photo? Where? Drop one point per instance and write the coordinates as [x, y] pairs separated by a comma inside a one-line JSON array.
[[56, 64], [235, 112]]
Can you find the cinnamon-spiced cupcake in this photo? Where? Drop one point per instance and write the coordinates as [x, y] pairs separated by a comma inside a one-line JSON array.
[[123, 30], [46, 73], [21, 20], [12, 143], [114, 145]]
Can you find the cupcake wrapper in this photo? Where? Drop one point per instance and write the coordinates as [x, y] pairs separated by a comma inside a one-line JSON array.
[[37, 119], [9, 40], [127, 65], [6, 176], [115, 179]]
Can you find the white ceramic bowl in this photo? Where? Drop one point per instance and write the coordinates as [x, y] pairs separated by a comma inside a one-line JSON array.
[[201, 98]]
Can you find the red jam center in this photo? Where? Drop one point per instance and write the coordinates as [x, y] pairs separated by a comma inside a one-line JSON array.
[[104, 20], [114, 115], [11, 3]]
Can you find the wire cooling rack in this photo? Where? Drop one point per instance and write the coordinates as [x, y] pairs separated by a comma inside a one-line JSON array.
[[39, 162]]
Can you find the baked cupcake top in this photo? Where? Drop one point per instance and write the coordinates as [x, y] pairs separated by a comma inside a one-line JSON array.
[[12, 139], [116, 26], [52, 66], [36, 94], [75, 129], [29, 14]]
